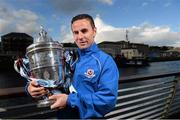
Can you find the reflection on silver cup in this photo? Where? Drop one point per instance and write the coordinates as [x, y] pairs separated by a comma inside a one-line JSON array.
[[46, 62]]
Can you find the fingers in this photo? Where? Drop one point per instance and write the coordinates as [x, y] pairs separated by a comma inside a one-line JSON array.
[[53, 97], [35, 90], [38, 92], [55, 104], [60, 101]]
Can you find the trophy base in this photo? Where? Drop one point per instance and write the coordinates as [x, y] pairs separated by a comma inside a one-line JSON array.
[[44, 103]]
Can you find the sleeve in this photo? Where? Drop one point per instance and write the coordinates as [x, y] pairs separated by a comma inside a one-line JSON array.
[[102, 101], [26, 89]]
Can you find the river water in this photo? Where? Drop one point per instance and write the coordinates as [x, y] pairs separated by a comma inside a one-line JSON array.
[[154, 68], [12, 79]]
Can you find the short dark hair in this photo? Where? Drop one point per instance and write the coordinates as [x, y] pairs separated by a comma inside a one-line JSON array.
[[83, 16]]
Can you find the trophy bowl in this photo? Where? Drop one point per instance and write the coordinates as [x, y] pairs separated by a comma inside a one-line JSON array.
[[46, 63], [46, 60]]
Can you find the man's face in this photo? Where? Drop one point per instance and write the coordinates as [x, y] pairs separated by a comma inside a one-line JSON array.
[[83, 33]]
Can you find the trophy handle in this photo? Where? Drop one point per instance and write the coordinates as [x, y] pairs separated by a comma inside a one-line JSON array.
[[21, 65]]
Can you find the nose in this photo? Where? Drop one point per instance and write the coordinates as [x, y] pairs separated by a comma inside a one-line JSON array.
[[80, 35]]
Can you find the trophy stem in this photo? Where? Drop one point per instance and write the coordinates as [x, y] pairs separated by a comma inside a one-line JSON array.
[[45, 103]]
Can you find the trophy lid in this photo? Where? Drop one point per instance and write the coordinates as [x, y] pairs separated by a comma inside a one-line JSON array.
[[43, 36], [43, 42]]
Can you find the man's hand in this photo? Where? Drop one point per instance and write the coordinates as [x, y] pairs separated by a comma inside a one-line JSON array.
[[60, 101], [35, 90]]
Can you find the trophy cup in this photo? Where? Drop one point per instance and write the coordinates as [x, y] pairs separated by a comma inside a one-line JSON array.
[[45, 62]]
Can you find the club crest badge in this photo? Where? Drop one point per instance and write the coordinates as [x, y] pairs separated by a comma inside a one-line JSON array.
[[89, 73]]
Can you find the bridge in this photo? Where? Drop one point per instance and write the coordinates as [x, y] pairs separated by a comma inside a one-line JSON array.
[[139, 97]]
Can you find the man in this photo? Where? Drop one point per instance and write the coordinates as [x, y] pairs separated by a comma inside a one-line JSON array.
[[95, 77]]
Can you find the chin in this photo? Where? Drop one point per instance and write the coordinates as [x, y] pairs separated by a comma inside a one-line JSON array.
[[83, 46]]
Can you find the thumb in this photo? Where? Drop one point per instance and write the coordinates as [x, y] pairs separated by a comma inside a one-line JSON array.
[[52, 97], [34, 82]]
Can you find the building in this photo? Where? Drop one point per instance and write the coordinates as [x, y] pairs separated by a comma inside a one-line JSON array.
[[174, 52], [131, 53], [129, 50], [69, 46], [113, 48], [15, 43], [142, 49], [123, 47]]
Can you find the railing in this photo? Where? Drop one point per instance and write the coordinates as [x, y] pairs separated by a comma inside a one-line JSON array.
[[154, 96], [144, 97]]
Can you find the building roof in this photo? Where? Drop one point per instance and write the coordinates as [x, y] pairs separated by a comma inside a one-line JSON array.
[[109, 42], [15, 34], [177, 49]]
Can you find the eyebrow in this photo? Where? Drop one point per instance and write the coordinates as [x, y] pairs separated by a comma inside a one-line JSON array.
[[83, 30]]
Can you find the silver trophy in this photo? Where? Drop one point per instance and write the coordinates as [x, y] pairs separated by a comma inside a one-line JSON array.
[[45, 62]]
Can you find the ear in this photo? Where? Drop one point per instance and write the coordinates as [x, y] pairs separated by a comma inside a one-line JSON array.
[[95, 31]]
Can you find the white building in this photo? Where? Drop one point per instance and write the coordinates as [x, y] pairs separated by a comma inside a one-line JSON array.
[[131, 53]]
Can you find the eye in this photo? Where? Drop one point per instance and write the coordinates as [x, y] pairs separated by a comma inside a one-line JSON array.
[[76, 32], [84, 30]]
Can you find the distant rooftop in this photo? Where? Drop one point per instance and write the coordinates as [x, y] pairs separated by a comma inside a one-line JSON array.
[[109, 42], [14, 34], [177, 49]]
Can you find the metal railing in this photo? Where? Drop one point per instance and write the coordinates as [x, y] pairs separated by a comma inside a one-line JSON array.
[[143, 97], [139, 97]]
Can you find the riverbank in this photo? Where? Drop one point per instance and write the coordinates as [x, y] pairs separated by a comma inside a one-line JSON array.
[[142, 62], [161, 59]]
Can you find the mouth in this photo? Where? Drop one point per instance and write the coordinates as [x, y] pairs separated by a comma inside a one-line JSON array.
[[82, 43]]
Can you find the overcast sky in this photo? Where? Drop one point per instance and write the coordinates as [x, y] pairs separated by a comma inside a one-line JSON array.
[[153, 22]]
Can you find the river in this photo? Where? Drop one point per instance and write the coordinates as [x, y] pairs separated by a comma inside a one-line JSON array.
[[153, 68], [12, 79]]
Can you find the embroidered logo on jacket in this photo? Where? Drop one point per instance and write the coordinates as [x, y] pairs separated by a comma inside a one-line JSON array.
[[89, 73]]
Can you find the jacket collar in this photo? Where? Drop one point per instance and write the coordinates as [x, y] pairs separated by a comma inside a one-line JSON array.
[[93, 48]]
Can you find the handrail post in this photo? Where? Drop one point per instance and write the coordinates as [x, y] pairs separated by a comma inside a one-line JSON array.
[[171, 96]]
